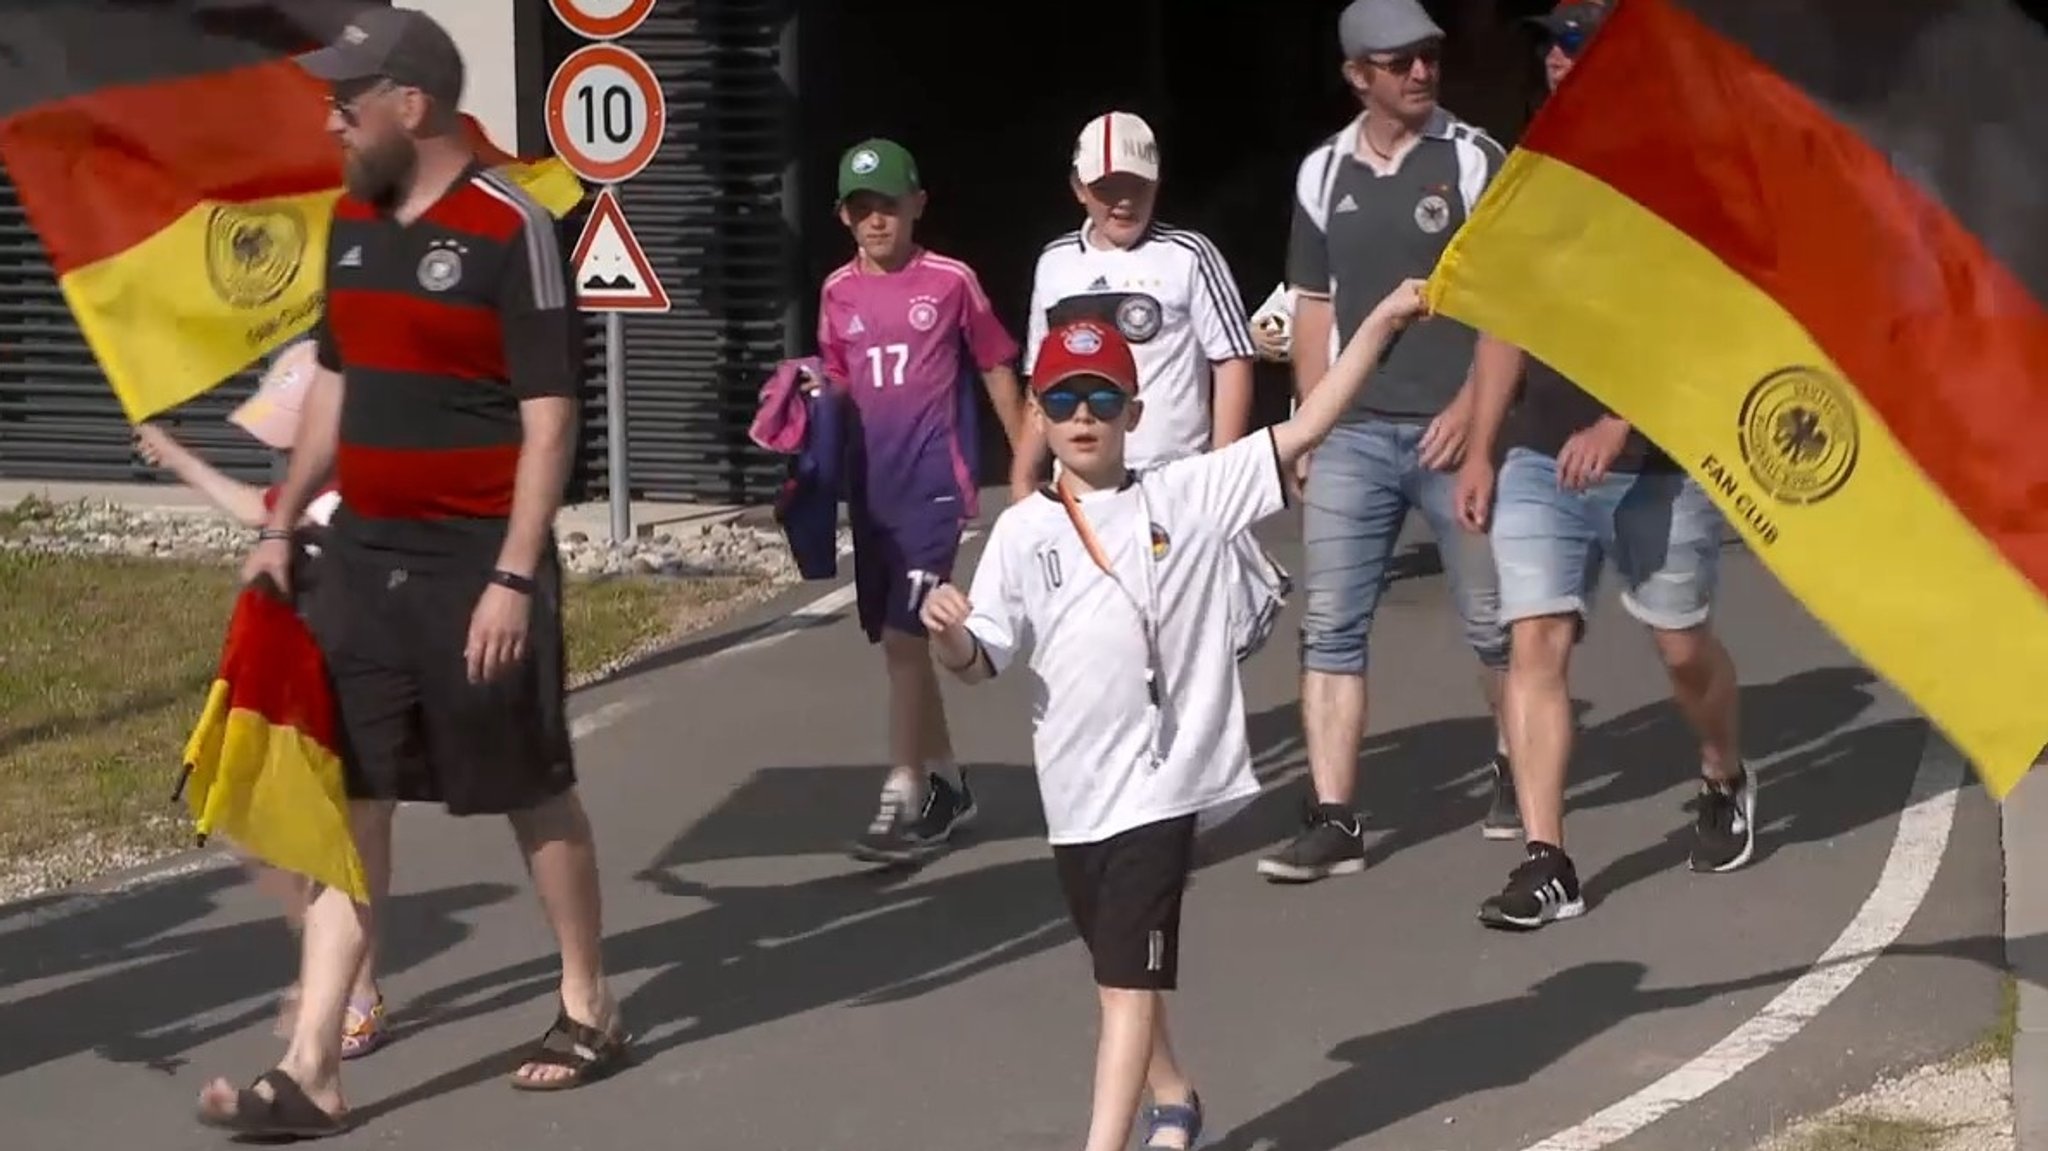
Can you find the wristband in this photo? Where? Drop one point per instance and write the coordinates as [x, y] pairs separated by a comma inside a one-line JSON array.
[[519, 583], [268, 534]]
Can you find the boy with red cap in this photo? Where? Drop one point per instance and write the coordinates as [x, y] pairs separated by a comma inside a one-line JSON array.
[[1120, 586]]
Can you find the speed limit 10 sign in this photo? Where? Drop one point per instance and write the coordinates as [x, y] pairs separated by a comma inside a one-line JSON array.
[[606, 113]]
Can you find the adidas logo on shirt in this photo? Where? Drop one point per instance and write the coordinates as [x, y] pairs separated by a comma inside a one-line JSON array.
[[1347, 204], [353, 258], [856, 327], [1101, 284]]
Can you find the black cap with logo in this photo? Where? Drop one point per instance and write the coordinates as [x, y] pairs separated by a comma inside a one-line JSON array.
[[403, 45]]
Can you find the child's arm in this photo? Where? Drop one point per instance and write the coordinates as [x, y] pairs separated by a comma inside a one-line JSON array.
[[975, 635], [1321, 408], [240, 500]]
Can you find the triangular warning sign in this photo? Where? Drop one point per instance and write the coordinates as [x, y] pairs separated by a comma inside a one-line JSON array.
[[612, 270]]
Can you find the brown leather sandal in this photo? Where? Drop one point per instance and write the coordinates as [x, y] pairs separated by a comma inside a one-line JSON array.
[[588, 1053]]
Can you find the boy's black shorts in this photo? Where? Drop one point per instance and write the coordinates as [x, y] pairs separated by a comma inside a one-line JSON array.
[[1124, 894], [393, 631]]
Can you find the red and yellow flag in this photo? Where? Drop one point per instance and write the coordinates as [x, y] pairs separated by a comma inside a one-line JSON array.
[[262, 767], [175, 162], [1800, 246]]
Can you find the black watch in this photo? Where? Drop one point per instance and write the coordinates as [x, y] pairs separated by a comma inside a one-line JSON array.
[[519, 583]]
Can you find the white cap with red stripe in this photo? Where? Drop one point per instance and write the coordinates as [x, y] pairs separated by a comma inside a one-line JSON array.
[[1116, 142]]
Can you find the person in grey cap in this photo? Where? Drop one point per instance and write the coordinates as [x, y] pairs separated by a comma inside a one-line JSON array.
[[443, 406], [1377, 203]]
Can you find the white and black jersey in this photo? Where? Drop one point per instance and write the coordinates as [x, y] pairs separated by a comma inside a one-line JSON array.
[[1173, 296]]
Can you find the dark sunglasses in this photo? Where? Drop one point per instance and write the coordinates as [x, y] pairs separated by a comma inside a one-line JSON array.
[[346, 97], [1403, 63], [1105, 404]]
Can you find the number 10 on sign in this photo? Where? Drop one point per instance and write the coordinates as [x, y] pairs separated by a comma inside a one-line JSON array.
[[606, 113]]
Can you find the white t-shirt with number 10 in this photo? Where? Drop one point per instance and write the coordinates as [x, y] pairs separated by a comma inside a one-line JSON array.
[[1104, 765]]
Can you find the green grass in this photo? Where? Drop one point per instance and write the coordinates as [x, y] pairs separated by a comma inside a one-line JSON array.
[[105, 662], [1997, 1042], [1871, 1133]]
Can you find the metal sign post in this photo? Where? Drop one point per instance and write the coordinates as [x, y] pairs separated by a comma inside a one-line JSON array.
[[617, 485], [606, 118]]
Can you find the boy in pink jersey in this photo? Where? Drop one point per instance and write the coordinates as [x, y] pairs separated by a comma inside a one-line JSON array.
[[901, 330]]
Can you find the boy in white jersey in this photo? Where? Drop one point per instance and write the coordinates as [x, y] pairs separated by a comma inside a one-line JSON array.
[[1120, 585]]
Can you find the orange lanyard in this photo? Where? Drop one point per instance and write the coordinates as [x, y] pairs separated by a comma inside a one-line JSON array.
[[1086, 533], [1153, 669]]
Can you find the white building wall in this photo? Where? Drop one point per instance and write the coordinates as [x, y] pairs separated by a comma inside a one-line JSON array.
[[484, 30]]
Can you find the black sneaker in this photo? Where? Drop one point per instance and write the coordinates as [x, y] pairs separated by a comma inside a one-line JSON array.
[[1503, 819], [899, 835], [1332, 843], [1544, 888], [1724, 834]]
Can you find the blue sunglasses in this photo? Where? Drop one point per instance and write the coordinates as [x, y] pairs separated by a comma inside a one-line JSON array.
[[1105, 404], [1572, 39]]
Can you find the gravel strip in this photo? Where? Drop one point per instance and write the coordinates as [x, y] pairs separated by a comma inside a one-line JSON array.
[[1964, 1105]]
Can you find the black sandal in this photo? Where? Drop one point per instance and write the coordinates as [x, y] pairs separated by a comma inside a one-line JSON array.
[[286, 1113], [589, 1054]]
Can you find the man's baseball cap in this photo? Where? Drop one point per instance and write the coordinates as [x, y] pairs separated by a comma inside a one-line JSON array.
[[1116, 142], [1368, 26], [1084, 348], [1571, 19], [403, 45], [883, 167], [272, 414]]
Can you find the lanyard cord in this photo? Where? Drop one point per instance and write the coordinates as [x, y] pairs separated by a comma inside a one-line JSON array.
[[1154, 667]]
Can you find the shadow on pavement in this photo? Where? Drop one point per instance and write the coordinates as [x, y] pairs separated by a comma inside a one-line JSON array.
[[1402, 1072], [747, 955], [147, 1008]]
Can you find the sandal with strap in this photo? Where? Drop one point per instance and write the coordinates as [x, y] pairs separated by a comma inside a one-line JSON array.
[[588, 1053], [286, 1113], [1174, 1117], [363, 1029]]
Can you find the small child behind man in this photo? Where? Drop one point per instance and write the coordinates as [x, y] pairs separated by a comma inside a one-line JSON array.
[[1120, 586], [272, 417]]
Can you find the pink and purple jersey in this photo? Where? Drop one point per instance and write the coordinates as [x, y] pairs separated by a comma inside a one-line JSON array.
[[907, 346]]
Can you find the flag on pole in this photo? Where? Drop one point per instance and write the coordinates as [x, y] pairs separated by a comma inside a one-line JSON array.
[[176, 164], [261, 767], [1803, 247]]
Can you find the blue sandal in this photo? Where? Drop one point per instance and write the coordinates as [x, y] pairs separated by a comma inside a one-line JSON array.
[[1174, 1116]]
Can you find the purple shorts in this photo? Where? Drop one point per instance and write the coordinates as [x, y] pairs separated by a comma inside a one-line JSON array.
[[896, 564]]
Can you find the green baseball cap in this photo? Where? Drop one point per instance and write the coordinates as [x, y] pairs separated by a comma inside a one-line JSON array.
[[883, 167]]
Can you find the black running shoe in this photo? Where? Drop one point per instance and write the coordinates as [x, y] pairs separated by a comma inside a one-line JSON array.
[[1331, 843], [1503, 819], [1724, 834], [1544, 888], [899, 834]]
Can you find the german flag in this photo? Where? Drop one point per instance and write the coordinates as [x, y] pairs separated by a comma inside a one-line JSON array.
[[1801, 246], [176, 163], [261, 767]]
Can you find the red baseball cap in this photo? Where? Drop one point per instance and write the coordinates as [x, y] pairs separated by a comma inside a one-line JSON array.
[[1084, 348]]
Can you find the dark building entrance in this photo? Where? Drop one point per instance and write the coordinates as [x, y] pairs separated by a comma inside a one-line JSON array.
[[1238, 91]]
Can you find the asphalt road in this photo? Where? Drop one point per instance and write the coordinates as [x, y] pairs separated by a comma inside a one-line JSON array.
[[789, 999]]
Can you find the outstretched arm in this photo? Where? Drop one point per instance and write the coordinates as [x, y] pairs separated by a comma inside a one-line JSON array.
[[1325, 403]]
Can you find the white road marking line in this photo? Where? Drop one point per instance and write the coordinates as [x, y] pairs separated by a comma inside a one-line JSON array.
[[599, 718], [1917, 850]]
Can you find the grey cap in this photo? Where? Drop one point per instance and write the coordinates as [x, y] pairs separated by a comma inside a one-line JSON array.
[[403, 45], [1369, 26]]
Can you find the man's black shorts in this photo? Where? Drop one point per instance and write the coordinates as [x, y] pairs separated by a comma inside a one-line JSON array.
[[393, 630], [1124, 894]]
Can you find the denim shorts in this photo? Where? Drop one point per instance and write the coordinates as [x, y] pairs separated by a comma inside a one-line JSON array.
[[1362, 482], [1659, 529]]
